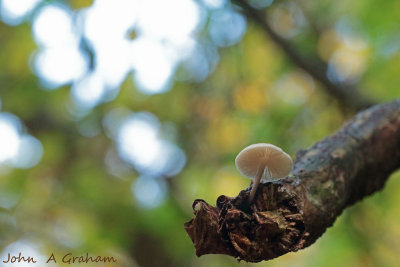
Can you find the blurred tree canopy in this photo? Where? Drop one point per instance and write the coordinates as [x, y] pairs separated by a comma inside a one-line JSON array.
[[116, 115]]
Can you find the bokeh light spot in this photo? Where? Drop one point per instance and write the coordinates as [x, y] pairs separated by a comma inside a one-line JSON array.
[[213, 4], [14, 12], [140, 143], [9, 140], [173, 19], [89, 91], [59, 66], [149, 192], [29, 154], [227, 27], [153, 68], [17, 150], [295, 88], [53, 26]]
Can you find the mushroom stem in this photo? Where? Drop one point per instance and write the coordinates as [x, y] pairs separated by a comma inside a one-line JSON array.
[[260, 173]]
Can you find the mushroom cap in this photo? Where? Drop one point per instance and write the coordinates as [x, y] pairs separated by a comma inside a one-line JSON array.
[[262, 155]]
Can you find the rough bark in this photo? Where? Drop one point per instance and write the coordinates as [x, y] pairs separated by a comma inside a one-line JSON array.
[[292, 213]]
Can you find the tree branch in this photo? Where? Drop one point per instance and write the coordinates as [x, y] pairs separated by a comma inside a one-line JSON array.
[[292, 213], [347, 95]]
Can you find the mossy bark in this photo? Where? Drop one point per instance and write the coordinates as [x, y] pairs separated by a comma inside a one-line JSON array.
[[292, 213]]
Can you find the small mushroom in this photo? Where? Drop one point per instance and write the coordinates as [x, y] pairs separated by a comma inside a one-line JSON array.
[[263, 161]]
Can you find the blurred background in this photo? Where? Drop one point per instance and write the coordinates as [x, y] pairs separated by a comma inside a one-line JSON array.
[[116, 115]]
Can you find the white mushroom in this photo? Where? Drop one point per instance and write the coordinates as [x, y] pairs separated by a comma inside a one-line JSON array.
[[263, 161]]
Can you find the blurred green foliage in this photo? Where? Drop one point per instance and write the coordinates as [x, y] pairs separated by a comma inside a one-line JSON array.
[[71, 202]]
